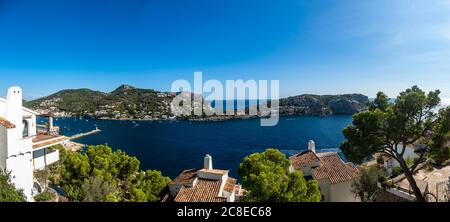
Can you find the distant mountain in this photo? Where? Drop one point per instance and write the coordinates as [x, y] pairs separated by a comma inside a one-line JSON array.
[[323, 105], [128, 102], [123, 89], [125, 102]]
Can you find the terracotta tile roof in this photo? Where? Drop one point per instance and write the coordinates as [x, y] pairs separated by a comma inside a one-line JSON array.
[[303, 159], [186, 177], [45, 141], [167, 198], [333, 168], [230, 185], [203, 191], [4, 122], [218, 172]]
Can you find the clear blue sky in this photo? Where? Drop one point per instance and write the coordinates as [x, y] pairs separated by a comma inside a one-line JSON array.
[[320, 46]]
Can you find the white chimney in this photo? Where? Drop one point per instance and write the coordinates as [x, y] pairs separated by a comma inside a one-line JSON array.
[[312, 146], [14, 110], [207, 162]]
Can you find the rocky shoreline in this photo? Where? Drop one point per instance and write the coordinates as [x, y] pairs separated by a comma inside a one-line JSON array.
[[215, 118], [134, 104]]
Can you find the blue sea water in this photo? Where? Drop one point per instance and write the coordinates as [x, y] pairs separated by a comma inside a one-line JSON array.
[[172, 146]]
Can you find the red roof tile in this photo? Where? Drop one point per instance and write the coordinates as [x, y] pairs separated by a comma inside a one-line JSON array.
[[186, 177], [203, 191], [230, 184], [334, 169], [8, 125], [303, 159]]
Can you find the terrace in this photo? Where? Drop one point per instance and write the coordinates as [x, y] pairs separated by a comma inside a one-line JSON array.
[[42, 141], [433, 182], [46, 136], [434, 185]]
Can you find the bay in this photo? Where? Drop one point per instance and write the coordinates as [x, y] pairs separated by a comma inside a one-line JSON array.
[[172, 146]]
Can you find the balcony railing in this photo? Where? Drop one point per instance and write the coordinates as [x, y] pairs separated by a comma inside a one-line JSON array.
[[41, 161]]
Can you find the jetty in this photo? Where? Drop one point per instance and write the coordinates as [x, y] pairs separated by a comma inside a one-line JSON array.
[[77, 136], [74, 146]]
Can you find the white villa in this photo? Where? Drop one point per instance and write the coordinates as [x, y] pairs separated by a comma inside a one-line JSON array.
[[334, 176], [411, 152], [204, 185], [23, 144]]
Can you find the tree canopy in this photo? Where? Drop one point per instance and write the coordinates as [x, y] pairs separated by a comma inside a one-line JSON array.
[[267, 178], [389, 128], [101, 174], [365, 187]]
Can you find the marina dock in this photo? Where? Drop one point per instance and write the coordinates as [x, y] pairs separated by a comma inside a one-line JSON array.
[[77, 136], [74, 146]]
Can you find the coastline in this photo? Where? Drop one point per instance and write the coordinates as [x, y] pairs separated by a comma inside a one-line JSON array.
[[209, 119], [185, 141]]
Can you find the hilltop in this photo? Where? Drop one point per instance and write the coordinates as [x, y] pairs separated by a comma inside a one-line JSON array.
[[125, 102], [128, 102], [323, 105]]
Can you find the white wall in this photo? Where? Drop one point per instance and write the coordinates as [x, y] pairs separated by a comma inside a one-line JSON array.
[[324, 185], [231, 197], [3, 148], [211, 176], [392, 163], [20, 164], [341, 192], [19, 158]]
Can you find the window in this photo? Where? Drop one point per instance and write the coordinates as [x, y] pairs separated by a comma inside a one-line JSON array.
[[25, 132]]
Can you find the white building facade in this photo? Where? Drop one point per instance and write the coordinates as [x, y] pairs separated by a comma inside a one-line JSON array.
[[22, 149], [333, 175], [204, 185]]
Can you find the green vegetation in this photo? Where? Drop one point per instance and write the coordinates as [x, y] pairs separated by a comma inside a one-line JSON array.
[[365, 187], [127, 102], [388, 128], [323, 105], [99, 174], [73, 100], [44, 196], [97, 189], [124, 102], [380, 160], [396, 171], [441, 140], [42, 177], [8, 193], [267, 178]]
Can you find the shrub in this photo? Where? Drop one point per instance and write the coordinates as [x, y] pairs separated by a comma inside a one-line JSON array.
[[380, 160], [390, 184], [9, 193], [429, 165], [382, 179], [396, 171], [44, 196]]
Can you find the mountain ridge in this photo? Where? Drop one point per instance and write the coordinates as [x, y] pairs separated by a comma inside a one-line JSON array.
[[129, 102]]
